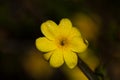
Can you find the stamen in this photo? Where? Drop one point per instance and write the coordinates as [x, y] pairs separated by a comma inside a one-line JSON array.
[[62, 43]]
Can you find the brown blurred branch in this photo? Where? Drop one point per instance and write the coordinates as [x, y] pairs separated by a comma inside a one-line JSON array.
[[86, 70]]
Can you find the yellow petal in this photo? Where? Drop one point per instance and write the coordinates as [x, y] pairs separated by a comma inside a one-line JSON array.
[[56, 59], [65, 26], [45, 45], [49, 29], [70, 59], [74, 32], [77, 44], [48, 55]]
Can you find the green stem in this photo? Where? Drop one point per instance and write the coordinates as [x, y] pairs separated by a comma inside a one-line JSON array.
[[86, 70]]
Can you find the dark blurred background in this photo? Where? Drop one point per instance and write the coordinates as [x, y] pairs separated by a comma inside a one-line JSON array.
[[20, 20]]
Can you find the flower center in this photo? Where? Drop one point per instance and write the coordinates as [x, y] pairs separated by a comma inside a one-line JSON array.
[[62, 43]]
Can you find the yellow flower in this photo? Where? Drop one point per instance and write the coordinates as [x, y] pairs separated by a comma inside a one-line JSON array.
[[61, 43]]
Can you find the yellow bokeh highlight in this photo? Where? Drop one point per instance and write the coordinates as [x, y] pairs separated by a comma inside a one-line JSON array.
[[89, 25], [35, 65]]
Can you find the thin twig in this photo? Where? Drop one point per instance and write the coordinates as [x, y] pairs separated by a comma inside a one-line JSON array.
[[86, 70]]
